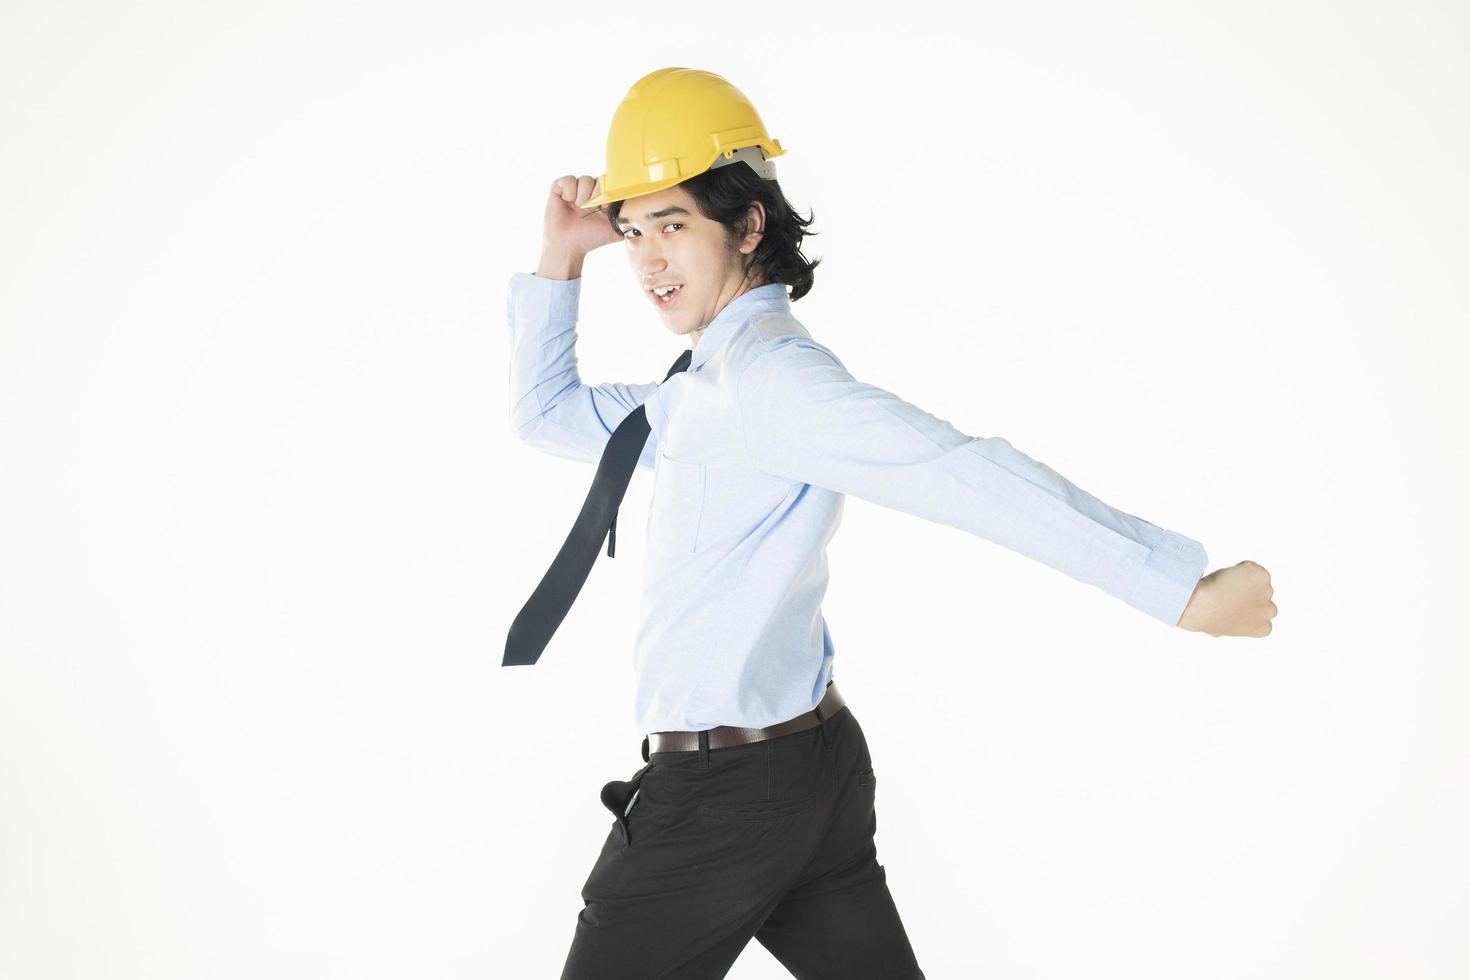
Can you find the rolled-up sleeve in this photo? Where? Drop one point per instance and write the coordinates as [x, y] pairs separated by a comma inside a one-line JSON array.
[[550, 408], [806, 419]]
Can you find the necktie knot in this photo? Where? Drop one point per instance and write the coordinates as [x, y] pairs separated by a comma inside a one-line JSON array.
[[681, 364]]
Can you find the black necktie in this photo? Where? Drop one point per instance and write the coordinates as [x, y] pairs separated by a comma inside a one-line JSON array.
[[548, 605]]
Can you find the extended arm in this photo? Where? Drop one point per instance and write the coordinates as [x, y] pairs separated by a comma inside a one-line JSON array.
[[805, 418], [550, 408]]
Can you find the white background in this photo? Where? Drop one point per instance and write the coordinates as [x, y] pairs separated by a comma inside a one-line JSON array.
[[263, 523]]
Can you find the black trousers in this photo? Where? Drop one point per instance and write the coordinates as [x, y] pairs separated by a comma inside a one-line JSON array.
[[771, 840]]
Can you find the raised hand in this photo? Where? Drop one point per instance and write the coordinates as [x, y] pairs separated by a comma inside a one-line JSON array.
[[570, 230]]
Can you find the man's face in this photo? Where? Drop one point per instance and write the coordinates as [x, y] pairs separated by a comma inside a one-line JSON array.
[[670, 243]]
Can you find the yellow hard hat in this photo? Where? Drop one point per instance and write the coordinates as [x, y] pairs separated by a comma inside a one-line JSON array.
[[675, 123]]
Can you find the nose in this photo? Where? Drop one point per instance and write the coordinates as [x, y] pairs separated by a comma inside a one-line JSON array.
[[649, 262]]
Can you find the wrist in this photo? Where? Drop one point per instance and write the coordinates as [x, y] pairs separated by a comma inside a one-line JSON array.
[[560, 264], [1194, 609]]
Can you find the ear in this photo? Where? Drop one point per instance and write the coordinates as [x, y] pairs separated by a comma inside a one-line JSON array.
[[755, 221]]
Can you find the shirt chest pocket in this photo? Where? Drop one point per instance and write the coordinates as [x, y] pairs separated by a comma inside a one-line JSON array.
[[676, 508]]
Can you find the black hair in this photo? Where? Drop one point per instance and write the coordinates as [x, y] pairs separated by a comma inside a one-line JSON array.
[[725, 194]]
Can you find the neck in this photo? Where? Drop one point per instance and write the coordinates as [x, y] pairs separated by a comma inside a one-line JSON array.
[[695, 335]]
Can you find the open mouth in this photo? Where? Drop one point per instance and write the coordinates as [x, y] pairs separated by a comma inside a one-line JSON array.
[[668, 298]]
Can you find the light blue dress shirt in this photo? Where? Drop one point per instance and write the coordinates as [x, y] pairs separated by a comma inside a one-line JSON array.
[[753, 450]]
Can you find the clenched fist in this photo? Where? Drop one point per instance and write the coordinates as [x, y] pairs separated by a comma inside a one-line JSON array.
[[1234, 601], [570, 230]]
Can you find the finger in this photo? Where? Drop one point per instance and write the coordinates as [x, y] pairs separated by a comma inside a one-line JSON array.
[[601, 209], [584, 189]]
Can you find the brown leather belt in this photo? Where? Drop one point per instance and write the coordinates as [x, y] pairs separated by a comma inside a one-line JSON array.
[[725, 736]]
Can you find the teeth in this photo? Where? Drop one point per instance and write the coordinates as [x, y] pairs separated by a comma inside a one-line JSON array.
[[666, 291]]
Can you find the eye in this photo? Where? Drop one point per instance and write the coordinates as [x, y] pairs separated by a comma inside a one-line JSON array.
[[671, 224]]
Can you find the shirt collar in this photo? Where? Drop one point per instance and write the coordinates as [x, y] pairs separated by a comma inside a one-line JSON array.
[[737, 312]]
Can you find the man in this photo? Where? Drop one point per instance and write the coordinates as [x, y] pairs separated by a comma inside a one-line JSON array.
[[754, 816]]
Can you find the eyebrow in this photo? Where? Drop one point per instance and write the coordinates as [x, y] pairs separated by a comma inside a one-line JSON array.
[[673, 209]]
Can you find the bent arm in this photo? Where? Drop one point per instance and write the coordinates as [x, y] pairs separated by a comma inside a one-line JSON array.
[[805, 418], [550, 408]]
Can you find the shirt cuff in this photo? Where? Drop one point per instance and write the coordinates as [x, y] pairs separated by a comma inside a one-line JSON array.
[[1168, 578], [543, 299]]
